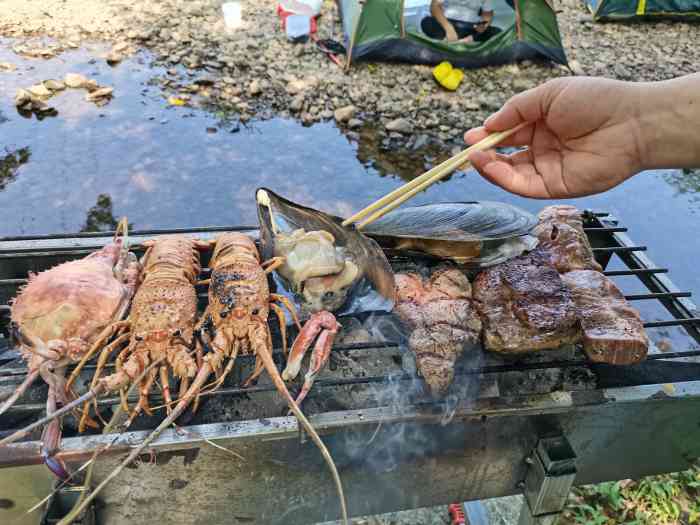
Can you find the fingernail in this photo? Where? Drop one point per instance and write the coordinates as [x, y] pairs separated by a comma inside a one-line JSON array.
[[490, 118]]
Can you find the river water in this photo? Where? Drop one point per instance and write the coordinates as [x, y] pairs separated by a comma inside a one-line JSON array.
[[167, 166]]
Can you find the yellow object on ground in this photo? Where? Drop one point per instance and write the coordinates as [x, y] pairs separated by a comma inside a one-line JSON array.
[[448, 76], [175, 101]]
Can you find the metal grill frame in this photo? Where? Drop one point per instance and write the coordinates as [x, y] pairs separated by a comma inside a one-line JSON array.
[[647, 422]]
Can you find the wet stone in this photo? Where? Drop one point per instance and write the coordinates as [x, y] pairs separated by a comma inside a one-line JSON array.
[[400, 125], [39, 90], [54, 85], [345, 113]]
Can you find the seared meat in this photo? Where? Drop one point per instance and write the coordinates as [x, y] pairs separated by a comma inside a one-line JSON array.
[[560, 232], [442, 320], [612, 330], [525, 305]]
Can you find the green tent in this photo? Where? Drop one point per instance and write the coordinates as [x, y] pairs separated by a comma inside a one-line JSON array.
[[381, 30], [644, 9]]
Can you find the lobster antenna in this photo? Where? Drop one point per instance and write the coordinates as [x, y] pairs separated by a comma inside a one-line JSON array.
[[21, 389], [87, 396], [282, 388]]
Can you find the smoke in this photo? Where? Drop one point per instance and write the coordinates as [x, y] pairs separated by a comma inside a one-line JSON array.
[[403, 393]]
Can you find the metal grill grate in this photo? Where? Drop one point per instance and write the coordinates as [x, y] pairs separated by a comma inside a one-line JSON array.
[[607, 237]]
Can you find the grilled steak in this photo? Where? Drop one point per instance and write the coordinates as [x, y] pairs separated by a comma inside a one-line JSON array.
[[560, 232], [443, 323], [612, 330], [525, 305]]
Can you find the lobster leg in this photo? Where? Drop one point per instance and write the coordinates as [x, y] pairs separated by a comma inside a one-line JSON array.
[[274, 263], [101, 340], [288, 305], [101, 362], [118, 364], [259, 369], [85, 419], [143, 395], [165, 385], [283, 326]]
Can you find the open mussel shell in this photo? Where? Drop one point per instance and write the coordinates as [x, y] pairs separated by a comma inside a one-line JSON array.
[[372, 290], [455, 221]]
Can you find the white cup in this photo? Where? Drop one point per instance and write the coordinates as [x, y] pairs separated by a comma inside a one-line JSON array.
[[232, 14]]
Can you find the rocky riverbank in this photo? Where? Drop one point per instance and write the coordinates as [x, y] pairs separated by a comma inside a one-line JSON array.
[[255, 73]]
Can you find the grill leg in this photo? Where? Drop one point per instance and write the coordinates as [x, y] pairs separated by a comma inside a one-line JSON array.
[[550, 474]]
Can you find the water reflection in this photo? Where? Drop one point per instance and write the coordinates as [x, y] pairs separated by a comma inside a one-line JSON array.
[[685, 181], [10, 163], [420, 155], [100, 217]]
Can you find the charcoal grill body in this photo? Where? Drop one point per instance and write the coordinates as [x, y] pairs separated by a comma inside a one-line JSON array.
[[626, 422]]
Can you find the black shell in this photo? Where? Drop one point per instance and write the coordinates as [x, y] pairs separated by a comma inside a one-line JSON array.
[[455, 221]]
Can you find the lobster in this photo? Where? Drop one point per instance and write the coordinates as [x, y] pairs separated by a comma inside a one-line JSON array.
[[64, 314], [236, 321], [160, 326]]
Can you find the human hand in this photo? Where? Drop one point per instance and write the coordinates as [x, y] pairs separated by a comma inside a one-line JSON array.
[[467, 39], [585, 138], [481, 26]]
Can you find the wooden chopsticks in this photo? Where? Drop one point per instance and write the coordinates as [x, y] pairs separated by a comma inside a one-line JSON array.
[[400, 195]]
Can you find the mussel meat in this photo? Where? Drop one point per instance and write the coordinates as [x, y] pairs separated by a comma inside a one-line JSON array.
[[477, 234], [328, 267]]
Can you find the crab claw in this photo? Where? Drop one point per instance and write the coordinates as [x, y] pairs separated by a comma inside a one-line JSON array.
[[323, 325]]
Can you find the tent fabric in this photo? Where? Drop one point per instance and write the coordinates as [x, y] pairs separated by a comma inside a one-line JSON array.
[[644, 9], [375, 30]]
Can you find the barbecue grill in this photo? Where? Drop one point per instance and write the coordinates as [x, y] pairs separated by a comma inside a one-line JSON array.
[[534, 425]]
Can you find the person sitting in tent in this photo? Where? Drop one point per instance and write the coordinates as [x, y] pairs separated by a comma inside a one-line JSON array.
[[460, 21]]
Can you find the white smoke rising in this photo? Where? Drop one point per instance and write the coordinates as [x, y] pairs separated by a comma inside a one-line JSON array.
[[385, 446]]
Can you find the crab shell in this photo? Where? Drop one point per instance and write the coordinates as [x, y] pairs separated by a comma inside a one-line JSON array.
[[68, 306]]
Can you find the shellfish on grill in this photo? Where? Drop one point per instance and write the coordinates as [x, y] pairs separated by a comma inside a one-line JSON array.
[[327, 267], [477, 234]]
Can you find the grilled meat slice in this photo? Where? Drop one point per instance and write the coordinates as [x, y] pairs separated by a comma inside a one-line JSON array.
[[443, 323], [613, 332], [525, 306], [560, 232]]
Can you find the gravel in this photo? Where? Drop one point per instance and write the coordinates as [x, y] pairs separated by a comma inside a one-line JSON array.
[[254, 70]]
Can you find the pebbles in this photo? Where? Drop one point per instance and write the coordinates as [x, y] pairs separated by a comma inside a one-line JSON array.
[[400, 125], [74, 80], [258, 74], [33, 99]]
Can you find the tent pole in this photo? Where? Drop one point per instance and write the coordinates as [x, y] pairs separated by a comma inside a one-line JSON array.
[[403, 20]]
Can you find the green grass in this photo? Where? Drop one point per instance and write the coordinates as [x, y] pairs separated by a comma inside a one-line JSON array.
[[669, 499]]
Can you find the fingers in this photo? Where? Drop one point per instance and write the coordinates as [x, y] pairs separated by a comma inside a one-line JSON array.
[[514, 173], [521, 138]]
